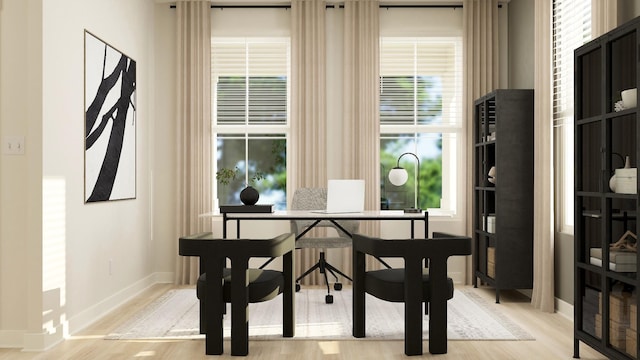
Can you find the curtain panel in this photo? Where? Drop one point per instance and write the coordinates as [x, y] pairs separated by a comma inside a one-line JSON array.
[[543, 296], [193, 127], [361, 119], [308, 158], [480, 66], [604, 16]]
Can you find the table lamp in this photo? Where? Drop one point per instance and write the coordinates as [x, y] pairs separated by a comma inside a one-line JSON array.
[[398, 176]]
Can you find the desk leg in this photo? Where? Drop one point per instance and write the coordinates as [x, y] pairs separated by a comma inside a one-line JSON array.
[[224, 225], [426, 225], [239, 307], [213, 302], [413, 225]]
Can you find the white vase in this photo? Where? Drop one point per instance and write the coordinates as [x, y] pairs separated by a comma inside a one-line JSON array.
[[624, 181]]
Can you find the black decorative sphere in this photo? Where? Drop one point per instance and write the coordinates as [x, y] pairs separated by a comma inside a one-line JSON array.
[[249, 196]]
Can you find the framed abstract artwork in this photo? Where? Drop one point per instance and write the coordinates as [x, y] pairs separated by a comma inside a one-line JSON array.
[[110, 122]]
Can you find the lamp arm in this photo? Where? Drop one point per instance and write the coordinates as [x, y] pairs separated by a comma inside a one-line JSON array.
[[417, 174]]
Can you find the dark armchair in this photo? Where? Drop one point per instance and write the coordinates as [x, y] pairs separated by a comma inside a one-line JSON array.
[[414, 284], [239, 285]]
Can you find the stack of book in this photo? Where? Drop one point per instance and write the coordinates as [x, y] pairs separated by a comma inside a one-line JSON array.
[[267, 208], [619, 260]]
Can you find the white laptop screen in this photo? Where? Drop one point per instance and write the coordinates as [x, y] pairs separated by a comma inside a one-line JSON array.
[[345, 196]]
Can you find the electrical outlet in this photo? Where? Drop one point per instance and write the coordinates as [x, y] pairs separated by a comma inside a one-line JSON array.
[[13, 145]]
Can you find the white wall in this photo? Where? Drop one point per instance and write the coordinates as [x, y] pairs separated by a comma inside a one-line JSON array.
[[19, 116], [163, 157], [57, 250]]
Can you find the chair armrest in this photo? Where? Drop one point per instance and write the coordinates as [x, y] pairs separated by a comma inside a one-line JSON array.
[[204, 244], [441, 247]]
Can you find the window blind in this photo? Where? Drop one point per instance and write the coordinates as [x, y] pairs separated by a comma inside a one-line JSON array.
[[571, 29], [250, 81], [420, 81]]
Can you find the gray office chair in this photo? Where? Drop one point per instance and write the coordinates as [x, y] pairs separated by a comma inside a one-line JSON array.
[[316, 199]]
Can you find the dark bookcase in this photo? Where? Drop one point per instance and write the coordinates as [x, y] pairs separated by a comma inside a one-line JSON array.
[[606, 132], [503, 209]]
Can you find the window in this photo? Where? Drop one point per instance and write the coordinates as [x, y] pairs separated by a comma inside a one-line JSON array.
[[420, 113], [571, 29], [250, 89]]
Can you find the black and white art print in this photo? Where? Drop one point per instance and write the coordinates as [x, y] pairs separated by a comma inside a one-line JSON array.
[[110, 122]]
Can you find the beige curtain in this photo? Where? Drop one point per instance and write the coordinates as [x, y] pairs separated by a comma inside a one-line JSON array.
[[194, 126], [480, 38], [543, 215], [604, 16], [361, 129], [308, 160]]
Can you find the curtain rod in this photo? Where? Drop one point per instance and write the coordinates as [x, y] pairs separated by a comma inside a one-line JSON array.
[[453, 6]]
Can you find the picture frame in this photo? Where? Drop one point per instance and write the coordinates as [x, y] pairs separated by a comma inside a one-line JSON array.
[[110, 122]]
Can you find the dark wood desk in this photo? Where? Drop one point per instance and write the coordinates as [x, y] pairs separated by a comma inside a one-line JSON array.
[[213, 254], [396, 215]]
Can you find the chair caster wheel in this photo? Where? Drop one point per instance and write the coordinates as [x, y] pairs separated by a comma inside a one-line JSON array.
[[297, 287], [337, 286], [328, 299]]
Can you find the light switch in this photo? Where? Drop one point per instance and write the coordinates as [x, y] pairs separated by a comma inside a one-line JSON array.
[[13, 145]]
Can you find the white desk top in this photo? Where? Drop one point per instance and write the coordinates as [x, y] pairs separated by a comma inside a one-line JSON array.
[[307, 214]]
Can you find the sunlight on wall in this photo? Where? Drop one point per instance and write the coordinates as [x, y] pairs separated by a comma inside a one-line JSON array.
[[54, 255]]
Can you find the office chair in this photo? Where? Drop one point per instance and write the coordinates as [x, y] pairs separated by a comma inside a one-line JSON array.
[[316, 199]]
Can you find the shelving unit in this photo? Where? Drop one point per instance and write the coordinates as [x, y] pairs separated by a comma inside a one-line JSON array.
[[503, 212], [605, 298]]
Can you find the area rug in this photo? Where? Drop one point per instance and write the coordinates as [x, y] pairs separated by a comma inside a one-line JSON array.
[[175, 315]]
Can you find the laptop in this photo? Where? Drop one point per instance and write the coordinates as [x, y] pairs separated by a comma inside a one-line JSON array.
[[344, 196]]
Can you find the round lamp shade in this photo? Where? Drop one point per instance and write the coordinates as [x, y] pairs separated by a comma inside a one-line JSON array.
[[398, 176]]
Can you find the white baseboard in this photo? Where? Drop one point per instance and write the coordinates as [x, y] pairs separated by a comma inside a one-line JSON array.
[[11, 339], [99, 310], [564, 308], [44, 341]]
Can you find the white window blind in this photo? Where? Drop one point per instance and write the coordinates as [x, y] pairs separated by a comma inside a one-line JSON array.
[[571, 29], [420, 81], [250, 81]]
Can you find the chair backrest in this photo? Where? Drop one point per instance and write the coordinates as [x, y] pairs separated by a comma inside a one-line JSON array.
[[309, 199], [316, 199]]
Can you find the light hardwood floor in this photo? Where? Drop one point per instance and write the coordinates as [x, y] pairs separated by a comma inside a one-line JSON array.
[[553, 333]]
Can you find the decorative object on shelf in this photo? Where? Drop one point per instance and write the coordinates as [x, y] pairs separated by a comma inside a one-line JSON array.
[[492, 175], [628, 241], [629, 98], [623, 180], [249, 195], [398, 176]]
